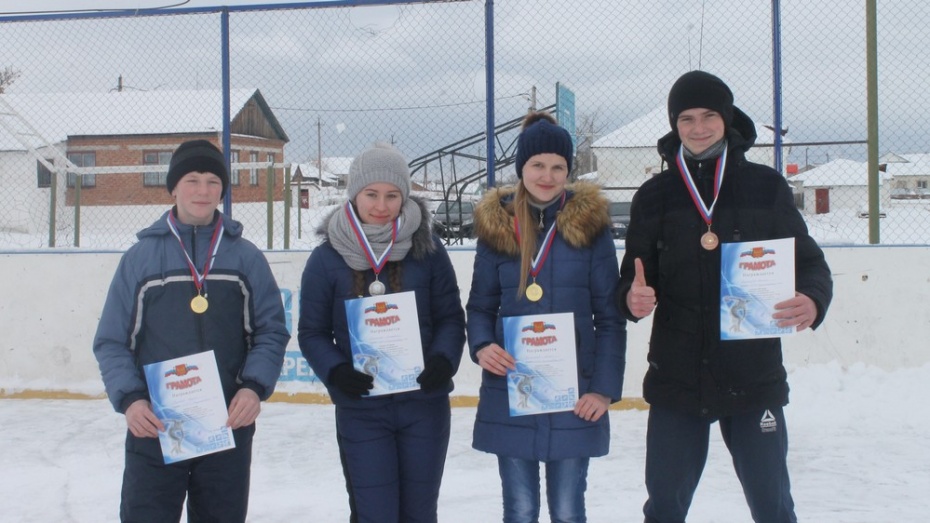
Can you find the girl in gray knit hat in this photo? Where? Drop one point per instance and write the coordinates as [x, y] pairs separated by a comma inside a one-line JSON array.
[[379, 242]]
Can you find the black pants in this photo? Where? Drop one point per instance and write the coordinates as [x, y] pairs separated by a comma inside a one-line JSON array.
[[216, 485], [676, 451], [393, 458]]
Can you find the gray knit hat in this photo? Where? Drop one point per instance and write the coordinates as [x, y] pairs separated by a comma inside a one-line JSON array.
[[379, 163]]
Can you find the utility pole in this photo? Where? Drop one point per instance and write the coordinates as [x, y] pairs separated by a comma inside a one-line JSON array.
[[591, 151]]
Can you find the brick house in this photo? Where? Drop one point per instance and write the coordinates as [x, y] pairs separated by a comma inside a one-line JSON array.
[[124, 140]]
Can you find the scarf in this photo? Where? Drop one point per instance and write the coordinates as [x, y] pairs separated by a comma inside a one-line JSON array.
[[343, 238], [713, 151]]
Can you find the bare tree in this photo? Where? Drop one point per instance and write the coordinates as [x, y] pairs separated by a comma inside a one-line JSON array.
[[7, 76], [586, 131]]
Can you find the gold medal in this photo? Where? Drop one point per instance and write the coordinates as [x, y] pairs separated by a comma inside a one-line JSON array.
[[709, 241], [199, 304], [534, 292]]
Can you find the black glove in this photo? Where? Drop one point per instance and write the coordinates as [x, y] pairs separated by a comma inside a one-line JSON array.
[[436, 373], [350, 381]]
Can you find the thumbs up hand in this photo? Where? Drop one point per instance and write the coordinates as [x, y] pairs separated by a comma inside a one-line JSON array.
[[641, 298]]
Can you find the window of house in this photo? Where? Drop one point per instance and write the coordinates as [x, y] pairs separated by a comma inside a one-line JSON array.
[[234, 173], [253, 171], [157, 178], [83, 160], [43, 175], [921, 184]]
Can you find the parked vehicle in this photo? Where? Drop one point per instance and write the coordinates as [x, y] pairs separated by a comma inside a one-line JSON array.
[[455, 219], [864, 212], [619, 219]]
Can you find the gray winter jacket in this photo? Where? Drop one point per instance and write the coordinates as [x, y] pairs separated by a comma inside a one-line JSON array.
[[147, 315]]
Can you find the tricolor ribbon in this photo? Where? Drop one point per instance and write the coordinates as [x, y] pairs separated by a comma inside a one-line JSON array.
[[706, 212], [376, 262], [199, 278], [543, 252]]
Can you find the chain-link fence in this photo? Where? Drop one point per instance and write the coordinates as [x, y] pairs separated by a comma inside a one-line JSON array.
[[94, 105]]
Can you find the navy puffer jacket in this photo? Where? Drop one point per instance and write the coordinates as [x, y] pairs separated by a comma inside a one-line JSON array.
[[326, 284], [580, 275]]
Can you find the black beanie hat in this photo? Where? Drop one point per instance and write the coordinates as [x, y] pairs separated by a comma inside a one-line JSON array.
[[542, 135], [196, 155], [699, 89]]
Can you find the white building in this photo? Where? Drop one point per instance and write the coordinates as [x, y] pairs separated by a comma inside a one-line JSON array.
[[839, 184], [321, 182], [911, 174]]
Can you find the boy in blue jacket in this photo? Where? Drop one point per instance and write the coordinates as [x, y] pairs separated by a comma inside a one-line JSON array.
[[191, 284]]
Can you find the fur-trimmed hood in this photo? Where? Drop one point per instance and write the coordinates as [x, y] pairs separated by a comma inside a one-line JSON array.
[[422, 239], [583, 218]]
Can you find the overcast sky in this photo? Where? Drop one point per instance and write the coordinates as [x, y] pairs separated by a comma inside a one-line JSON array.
[[422, 68], [52, 6]]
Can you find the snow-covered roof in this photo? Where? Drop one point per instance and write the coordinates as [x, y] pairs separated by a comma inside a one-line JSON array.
[[909, 165], [891, 157], [647, 129], [311, 170], [337, 164], [58, 115], [837, 173], [641, 132]]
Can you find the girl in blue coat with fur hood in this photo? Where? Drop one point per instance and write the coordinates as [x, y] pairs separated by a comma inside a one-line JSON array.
[[393, 447], [577, 272]]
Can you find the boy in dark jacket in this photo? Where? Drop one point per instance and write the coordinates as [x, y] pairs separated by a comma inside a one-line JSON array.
[[190, 285], [711, 194]]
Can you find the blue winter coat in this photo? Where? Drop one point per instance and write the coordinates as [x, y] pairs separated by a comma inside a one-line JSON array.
[[580, 276], [326, 284], [147, 316]]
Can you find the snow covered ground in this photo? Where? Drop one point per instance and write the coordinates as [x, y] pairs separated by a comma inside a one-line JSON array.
[[858, 455]]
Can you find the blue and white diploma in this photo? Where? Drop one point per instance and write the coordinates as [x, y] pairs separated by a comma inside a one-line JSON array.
[[187, 397], [754, 276], [546, 377], [384, 332]]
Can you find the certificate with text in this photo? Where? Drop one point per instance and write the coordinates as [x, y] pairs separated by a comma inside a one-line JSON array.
[[384, 332], [187, 397], [754, 276], [546, 375]]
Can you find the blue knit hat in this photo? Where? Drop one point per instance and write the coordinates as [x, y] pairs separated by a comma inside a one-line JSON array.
[[540, 135]]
